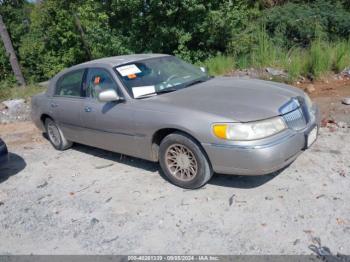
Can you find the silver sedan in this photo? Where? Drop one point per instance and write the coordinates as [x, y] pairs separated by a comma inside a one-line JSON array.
[[160, 108]]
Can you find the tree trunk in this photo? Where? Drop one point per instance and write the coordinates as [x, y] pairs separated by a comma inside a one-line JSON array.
[[11, 53], [82, 36]]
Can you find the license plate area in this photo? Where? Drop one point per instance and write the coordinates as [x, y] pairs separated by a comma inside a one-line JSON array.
[[311, 137]]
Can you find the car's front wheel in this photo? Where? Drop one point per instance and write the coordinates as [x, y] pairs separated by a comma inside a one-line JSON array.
[[184, 162], [56, 136]]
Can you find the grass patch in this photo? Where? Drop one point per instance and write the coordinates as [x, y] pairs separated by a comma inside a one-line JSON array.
[[296, 64], [219, 65], [341, 56], [265, 53], [320, 58], [16, 92]]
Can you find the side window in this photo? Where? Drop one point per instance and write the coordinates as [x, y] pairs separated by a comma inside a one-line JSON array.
[[98, 79], [70, 84]]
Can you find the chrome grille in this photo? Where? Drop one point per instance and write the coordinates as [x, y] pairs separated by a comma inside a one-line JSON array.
[[295, 113], [295, 119]]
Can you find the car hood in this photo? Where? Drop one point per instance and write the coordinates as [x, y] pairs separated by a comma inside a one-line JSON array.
[[241, 100]]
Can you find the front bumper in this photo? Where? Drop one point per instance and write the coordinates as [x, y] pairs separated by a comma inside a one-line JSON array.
[[260, 157], [3, 154]]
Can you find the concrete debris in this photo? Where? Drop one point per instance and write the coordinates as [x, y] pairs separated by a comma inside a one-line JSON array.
[[276, 72], [346, 100], [346, 72], [310, 88], [13, 105], [14, 110], [342, 124], [324, 122], [332, 125]]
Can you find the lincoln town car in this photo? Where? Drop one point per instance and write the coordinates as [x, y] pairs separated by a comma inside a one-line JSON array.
[[162, 109]]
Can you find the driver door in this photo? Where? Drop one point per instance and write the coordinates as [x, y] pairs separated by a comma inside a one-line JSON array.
[[108, 125]]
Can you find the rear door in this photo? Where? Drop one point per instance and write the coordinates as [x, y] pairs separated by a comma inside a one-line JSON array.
[[107, 125], [67, 104]]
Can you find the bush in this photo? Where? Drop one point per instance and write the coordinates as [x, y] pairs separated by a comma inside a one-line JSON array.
[[298, 24]]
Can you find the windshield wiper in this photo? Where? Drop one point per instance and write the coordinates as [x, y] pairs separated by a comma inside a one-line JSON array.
[[168, 90], [163, 91], [194, 82]]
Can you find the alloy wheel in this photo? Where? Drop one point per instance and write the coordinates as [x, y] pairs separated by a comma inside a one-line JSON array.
[[54, 134], [181, 162]]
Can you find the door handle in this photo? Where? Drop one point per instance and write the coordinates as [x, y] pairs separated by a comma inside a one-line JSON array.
[[88, 109], [54, 105]]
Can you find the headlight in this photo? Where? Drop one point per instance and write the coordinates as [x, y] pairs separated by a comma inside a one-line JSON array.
[[249, 131]]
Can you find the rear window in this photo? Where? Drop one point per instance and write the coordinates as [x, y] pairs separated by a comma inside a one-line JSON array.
[[70, 84]]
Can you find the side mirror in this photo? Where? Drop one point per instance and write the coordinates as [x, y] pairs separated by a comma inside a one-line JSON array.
[[203, 69], [109, 95]]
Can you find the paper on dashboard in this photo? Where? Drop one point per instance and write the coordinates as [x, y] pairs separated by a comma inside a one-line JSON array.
[[142, 90], [128, 70]]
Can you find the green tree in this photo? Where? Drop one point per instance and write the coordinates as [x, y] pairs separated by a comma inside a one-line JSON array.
[[193, 29], [11, 53], [64, 33], [15, 15]]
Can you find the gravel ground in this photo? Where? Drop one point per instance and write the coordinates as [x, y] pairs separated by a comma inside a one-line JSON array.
[[90, 201]]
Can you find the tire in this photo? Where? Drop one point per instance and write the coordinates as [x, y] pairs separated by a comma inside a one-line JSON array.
[[184, 162], [55, 135]]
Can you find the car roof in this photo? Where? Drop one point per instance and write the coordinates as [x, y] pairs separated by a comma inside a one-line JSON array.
[[106, 61], [123, 59]]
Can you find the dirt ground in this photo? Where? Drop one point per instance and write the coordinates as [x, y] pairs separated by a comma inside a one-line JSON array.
[[90, 201], [328, 95]]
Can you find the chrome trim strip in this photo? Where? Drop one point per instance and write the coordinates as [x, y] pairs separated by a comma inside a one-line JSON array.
[[104, 131]]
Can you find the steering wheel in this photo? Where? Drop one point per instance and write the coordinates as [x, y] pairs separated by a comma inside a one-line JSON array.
[[171, 77]]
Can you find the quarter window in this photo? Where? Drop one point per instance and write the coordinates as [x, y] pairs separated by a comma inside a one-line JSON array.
[[97, 80], [70, 84]]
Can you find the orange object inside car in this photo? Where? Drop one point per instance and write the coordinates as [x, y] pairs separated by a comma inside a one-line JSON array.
[[97, 80], [132, 76]]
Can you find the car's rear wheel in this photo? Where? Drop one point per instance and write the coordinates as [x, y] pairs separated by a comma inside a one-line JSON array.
[[183, 161], [56, 136]]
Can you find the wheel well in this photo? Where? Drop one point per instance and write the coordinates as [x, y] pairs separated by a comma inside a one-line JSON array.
[[161, 134], [44, 117]]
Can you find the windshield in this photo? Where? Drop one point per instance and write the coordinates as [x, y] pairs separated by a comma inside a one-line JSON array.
[[158, 75]]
